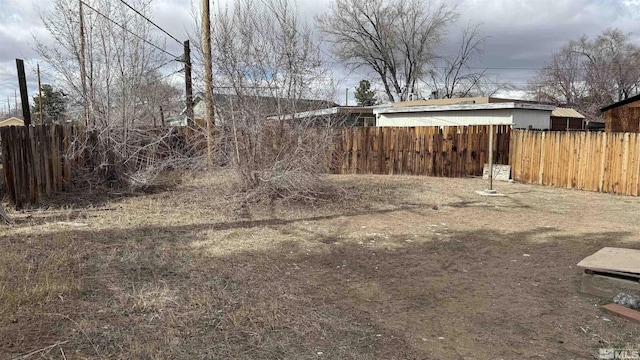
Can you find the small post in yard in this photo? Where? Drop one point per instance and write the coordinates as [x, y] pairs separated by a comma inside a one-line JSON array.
[[490, 191], [346, 97], [24, 95], [490, 157]]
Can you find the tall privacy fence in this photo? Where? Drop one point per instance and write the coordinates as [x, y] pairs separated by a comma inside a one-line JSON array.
[[594, 161], [451, 151], [42, 160]]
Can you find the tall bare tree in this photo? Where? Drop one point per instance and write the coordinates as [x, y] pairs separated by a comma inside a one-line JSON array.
[[268, 71], [590, 73], [396, 39], [124, 85], [454, 76], [562, 79], [119, 59]]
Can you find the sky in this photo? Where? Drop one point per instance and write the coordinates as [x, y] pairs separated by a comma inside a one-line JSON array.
[[521, 35]]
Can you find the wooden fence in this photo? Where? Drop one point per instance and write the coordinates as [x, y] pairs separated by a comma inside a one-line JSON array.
[[36, 160], [433, 151], [605, 162], [42, 160]]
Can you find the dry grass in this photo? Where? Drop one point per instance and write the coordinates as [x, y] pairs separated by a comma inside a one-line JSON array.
[[184, 275]]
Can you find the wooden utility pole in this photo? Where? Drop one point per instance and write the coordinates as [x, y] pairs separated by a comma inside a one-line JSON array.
[[187, 84], [83, 70], [24, 94], [40, 95], [208, 73]]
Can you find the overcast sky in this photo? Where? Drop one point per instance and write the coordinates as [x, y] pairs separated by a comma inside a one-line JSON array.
[[521, 33]]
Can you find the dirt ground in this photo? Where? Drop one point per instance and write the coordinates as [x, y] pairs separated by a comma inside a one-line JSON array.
[[401, 268]]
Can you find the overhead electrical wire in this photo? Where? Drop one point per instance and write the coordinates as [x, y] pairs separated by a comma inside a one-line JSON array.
[[149, 20], [129, 31]]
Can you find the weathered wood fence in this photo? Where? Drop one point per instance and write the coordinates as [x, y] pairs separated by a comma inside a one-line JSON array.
[[39, 161], [36, 160], [42, 160], [605, 162], [454, 151]]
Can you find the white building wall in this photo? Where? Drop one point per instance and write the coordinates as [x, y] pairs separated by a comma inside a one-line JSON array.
[[519, 118], [448, 118], [536, 119]]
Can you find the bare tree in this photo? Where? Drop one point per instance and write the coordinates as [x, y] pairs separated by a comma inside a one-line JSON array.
[[119, 59], [590, 73], [124, 85], [458, 78], [267, 58], [612, 65], [562, 79], [394, 38]]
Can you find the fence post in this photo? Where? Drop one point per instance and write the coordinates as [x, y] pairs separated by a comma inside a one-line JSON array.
[[542, 152], [603, 158], [490, 157]]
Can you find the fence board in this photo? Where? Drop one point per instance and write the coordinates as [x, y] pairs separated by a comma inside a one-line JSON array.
[[606, 162], [433, 151]]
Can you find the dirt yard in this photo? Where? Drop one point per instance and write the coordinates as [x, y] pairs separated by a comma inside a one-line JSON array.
[[403, 268]]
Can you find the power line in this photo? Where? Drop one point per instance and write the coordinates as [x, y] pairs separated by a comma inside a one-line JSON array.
[[149, 20], [129, 31], [162, 65]]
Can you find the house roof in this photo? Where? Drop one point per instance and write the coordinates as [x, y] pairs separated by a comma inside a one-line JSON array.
[[452, 101], [566, 113], [266, 105], [621, 103], [328, 111], [12, 121], [464, 107]]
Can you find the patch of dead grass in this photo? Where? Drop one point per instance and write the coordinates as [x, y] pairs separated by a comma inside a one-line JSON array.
[[182, 275], [35, 273]]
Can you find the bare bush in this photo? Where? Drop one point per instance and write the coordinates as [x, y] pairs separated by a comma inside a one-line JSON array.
[[146, 160], [268, 59]]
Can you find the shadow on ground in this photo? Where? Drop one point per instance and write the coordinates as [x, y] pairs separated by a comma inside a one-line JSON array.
[[148, 292]]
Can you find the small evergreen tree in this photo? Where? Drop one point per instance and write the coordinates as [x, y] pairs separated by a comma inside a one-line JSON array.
[[54, 105], [364, 95]]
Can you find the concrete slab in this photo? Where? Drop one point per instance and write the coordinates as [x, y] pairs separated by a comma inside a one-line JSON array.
[[488, 192], [613, 259], [607, 287]]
